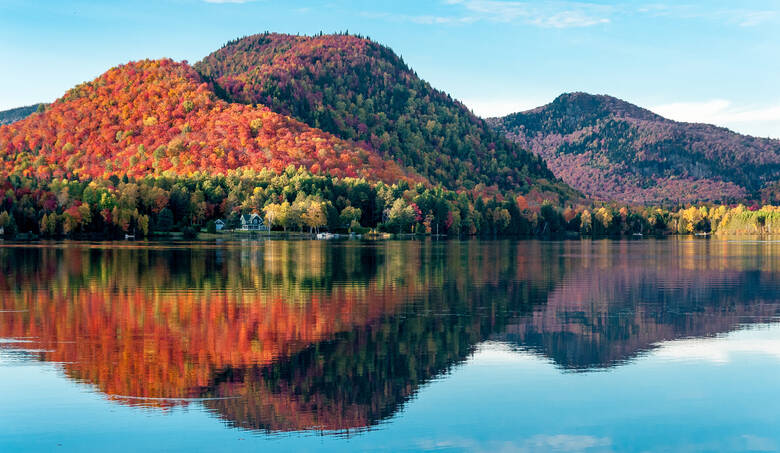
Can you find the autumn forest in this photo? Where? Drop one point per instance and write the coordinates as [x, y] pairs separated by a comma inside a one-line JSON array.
[[336, 132]]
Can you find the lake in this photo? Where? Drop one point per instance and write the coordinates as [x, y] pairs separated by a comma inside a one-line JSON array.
[[647, 345]]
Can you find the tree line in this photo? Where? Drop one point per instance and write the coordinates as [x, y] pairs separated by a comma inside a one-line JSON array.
[[298, 200]]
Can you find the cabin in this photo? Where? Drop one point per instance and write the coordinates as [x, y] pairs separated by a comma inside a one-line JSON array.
[[219, 224], [252, 222], [2, 231]]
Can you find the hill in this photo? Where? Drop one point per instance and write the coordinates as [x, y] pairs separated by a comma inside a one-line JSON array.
[[613, 150], [159, 117], [19, 113], [363, 92]]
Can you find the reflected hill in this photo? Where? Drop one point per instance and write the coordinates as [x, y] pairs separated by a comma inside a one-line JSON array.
[[621, 300], [145, 323], [362, 377], [265, 324], [286, 336]]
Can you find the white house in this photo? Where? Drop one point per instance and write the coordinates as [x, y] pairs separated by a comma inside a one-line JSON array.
[[219, 224], [252, 222]]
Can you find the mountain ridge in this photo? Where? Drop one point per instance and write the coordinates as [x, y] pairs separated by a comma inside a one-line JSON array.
[[362, 91], [613, 150], [19, 113]]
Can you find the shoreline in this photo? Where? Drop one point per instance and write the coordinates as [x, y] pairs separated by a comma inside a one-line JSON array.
[[209, 238]]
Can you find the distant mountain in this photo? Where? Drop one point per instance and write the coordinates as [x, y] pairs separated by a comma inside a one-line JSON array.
[[363, 92], [613, 150], [158, 116], [19, 113]]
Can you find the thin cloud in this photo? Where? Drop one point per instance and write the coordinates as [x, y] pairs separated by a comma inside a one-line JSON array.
[[574, 14], [756, 18], [568, 19], [761, 121], [549, 15], [228, 1], [552, 15], [741, 17], [431, 20], [419, 19]]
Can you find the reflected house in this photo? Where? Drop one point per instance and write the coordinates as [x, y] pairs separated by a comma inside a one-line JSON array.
[[252, 222]]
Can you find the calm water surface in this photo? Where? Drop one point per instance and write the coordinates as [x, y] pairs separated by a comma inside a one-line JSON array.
[[670, 345]]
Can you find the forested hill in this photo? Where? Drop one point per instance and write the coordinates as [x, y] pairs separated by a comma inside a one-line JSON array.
[[159, 117], [361, 91], [613, 150], [19, 113]]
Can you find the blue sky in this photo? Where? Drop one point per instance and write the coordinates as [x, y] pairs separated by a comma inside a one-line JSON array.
[[714, 61]]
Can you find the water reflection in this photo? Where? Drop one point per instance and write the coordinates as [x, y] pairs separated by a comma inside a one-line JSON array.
[[287, 336], [620, 299]]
